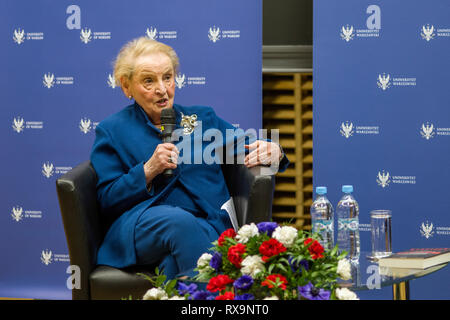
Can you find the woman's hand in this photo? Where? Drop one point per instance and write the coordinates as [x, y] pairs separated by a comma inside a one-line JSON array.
[[262, 153], [164, 157]]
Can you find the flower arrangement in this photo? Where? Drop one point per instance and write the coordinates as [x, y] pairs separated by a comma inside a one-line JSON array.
[[264, 261]]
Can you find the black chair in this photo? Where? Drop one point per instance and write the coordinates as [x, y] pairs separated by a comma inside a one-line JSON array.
[[252, 194]]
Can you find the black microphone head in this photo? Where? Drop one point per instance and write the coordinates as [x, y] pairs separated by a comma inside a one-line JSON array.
[[168, 116]]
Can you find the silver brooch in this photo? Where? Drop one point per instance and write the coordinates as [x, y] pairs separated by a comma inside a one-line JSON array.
[[189, 123]]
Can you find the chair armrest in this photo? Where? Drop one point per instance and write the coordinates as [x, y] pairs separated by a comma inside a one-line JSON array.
[[78, 203], [252, 192]]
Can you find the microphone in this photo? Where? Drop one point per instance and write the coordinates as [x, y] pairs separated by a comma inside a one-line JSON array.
[[167, 127]]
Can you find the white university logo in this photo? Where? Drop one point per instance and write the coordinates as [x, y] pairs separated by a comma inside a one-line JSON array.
[[214, 34], [426, 229], [347, 33], [347, 129], [384, 81], [17, 213], [427, 33], [383, 179], [85, 125], [49, 80], [152, 33], [180, 80], [18, 124], [427, 131], [46, 257], [86, 35], [19, 36], [47, 169], [111, 81]]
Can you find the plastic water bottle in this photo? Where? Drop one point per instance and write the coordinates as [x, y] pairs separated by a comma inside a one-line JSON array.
[[347, 212], [322, 218]]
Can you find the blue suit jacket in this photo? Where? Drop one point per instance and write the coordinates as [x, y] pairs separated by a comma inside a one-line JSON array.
[[124, 142]]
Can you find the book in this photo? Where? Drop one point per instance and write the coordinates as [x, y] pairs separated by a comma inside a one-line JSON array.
[[417, 258]]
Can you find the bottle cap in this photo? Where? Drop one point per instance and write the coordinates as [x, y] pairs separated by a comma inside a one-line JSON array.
[[321, 190], [347, 188]]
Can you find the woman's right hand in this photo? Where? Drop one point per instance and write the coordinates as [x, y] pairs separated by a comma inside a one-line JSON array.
[[164, 157]]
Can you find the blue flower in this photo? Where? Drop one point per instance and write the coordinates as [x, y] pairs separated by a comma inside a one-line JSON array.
[[216, 261], [267, 227], [299, 265], [186, 289], [245, 296], [312, 293], [244, 282], [201, 295]]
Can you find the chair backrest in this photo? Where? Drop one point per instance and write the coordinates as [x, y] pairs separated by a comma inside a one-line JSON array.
[[78, 203]]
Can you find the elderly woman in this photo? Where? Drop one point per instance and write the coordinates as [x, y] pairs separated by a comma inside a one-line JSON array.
[[151, 219]]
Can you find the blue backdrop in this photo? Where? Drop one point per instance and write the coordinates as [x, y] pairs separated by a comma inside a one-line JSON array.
[[382, 122], [56, 61]]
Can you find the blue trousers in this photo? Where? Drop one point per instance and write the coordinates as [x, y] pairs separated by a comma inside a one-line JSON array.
[[172, 237]]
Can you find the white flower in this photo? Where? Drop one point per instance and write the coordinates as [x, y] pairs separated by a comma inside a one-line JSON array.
[[246, 232], [252, 265], [155, 294], [344, 269], [345, 294], [203, 263], [286, 235], [271, 298], [177, 298]]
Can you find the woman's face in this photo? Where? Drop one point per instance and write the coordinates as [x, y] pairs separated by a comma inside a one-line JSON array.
[[153, 84]]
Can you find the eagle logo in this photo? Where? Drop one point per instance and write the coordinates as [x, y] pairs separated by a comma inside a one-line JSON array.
[[111, 81], [85, 35], [383, 179], [85, 125], [18, 124], [347, 33], [427, 131], [347, 129], [152, 33], [180, 81], [19, 36], [46, 257], [426, 230], [384, 81], [49, 80], [17, 213], [428, 32], [214, 34], [47, 169]]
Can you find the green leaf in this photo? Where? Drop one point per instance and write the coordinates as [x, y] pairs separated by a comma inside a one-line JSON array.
[[147, 277], [170, 285], [281, 267]]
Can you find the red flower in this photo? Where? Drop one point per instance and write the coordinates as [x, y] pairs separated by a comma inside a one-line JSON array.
[[273, 279], [226, 296], [218, 283], [235, 254], [229, 233], [315, 249], [271, 248]]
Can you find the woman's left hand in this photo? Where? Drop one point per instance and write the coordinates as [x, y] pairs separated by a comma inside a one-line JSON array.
[[262, 153]]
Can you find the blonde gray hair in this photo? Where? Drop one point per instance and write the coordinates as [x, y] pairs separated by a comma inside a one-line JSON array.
[[124, 65]]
